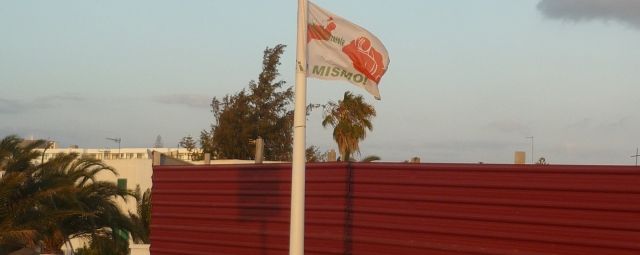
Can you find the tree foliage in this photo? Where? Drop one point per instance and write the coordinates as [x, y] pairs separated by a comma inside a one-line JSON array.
[[542, 161], [103, 243], [350, 118], [189, 144], [264, 109], [370, 158], [143, 216], [313, 154], [54, 201], [158, 143]]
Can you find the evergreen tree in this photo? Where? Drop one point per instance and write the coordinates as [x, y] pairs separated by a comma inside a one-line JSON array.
[[188, 143], [313, 154], [158, 143], [264, 109]]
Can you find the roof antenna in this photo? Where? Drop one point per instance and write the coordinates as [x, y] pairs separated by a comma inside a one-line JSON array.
[[117, 140]]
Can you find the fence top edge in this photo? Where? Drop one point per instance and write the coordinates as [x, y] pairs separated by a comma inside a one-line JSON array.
[[391, 166]]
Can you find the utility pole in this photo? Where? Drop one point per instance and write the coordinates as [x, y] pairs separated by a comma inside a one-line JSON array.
[[532, 157], [636, 156]]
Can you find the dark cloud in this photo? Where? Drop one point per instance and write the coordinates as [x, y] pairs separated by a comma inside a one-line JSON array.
[[624, 11], [195, 101], [13, 106], [63, 136]]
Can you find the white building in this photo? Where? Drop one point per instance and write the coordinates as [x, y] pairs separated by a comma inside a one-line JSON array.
[[119, 153]]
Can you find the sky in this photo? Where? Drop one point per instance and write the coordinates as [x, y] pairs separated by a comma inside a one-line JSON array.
[[468, 81]]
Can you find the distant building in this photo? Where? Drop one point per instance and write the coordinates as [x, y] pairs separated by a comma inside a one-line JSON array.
[[119, 154]]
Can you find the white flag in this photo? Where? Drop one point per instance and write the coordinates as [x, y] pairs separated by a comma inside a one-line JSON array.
[[340, 50]]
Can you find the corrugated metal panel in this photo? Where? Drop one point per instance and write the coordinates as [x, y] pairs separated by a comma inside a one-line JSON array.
[[399, 209]]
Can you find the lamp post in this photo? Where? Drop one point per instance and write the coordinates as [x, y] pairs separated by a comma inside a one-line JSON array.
[[636, 156]]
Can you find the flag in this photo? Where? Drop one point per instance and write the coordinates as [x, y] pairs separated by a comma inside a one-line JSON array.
[[340, 50]]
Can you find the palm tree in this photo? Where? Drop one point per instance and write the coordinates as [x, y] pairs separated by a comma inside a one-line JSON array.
[[14, 234], [350, 119], [370, 158], [143, 216], [54, 201], [17, 168], [93, 205]]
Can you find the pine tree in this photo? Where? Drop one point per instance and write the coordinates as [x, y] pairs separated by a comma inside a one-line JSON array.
[[158, 143], [189, 143], [264, 109]]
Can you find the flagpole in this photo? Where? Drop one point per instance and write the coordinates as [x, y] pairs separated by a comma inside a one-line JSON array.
[[296, 230]]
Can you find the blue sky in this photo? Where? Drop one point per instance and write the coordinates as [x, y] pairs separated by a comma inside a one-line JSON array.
[[468, 80]]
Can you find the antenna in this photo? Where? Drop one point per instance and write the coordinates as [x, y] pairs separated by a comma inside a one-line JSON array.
[[636, 156], [117, 140], [532, 158]]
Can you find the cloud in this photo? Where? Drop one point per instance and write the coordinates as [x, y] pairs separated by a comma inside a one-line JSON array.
[[62, 98], [13, 106], [190, 100], [624, 11], [606, 125], [62, 135], [583, 123], [620, 123], [470, 145], [509, 126]]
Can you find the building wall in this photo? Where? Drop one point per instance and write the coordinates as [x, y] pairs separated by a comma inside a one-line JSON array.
[[399, 209], [136, 171]]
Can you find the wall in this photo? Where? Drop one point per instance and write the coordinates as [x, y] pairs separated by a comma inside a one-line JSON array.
[[399, 209]]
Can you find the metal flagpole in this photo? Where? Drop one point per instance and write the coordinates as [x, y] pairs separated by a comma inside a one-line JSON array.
[[296, 230]]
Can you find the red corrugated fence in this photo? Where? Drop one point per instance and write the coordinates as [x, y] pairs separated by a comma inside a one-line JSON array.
[[379, 208]]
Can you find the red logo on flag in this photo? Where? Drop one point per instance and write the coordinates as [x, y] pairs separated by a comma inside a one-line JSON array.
[[365, 58], [318, 32]]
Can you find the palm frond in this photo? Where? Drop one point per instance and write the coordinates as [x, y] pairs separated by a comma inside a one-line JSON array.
[[370, 158], [54, 200]]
